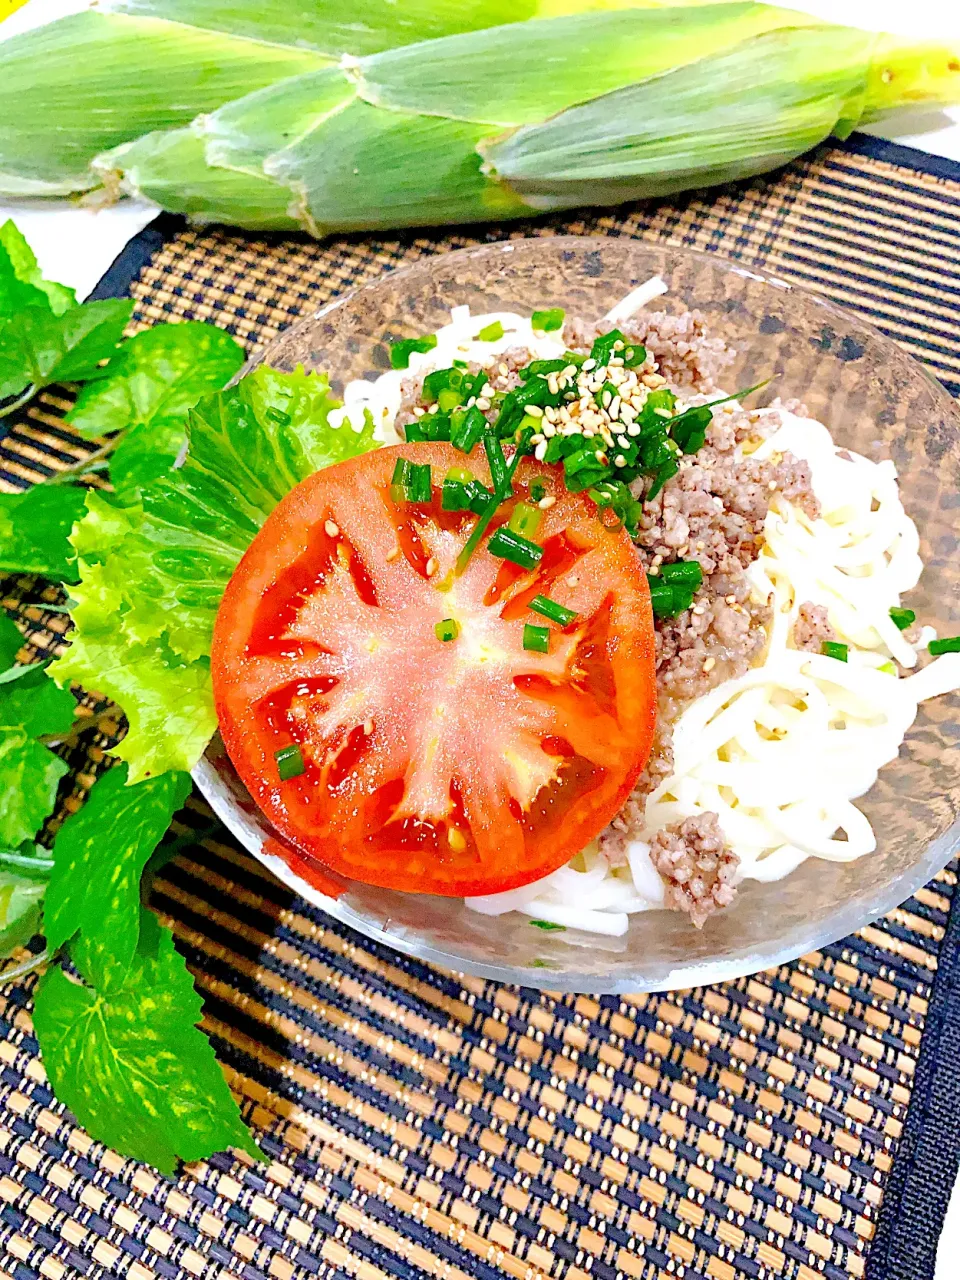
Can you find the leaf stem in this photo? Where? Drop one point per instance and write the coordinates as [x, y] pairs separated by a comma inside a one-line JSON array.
[[84, 465], [25, 967], [20, 401]]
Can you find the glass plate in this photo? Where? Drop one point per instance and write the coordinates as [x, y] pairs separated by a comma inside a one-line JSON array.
[[876, 400]]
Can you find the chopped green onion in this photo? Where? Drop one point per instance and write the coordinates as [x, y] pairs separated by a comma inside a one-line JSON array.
[[455, 496], [461, 474], [400, 352], [413, 432], [498, 465], [542, 367], [511, 546], [666, 471], [467, 426], [689, 429], [602, 349], [446, 380], [633, 357], [548, 608], [492, 332], [538, 491], [888, 668], [448, 399], [833, 649], [949, 645], [548, 321], [902, 618], [418, 486], [448, 629], [528, 423], [536, 639], [548, 927], [435, 426], [607, 388], [398, 485], [289, 762], [669, 599], [686, 573], [525, 520]]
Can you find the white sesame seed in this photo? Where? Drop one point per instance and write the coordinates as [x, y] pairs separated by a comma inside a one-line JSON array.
[[699, 610], [392, 554], [431, 567], [332, 529], [606, 399], [614, 407], [701, 546], [540, 451], [419, 411], [483, 404], [632, 429], [535, 439], [730, 599], [534, 410], [709, 664], [653, 570], [502, 370], [546, 503], [588, 365], [601, 457], [549, 429], [573, 581], [368, 727], [433, 408], [771, 485], [619, 460]]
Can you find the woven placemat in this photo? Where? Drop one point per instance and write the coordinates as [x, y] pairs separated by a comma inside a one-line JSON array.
[[423, 1123]]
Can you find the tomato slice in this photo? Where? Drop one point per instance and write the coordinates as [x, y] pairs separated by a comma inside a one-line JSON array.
[[454, 767]]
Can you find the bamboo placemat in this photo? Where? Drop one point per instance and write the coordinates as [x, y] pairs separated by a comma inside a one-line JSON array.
[[423, 1123]]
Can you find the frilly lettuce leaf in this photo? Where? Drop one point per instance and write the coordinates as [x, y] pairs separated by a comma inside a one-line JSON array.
[[152, 574]]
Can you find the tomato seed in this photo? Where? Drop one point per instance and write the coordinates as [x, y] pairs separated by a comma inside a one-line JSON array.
[[332, 529]]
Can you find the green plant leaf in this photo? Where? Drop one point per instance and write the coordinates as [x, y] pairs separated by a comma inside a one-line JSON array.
[[30, 707], [99, 855], [153, 573], [20, 906], [133, 1066], [24, 263], [148, 389], [11, 642], [38, 347], [35, 529]]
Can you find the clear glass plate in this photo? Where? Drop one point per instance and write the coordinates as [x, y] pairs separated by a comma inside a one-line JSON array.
[[876, 400]]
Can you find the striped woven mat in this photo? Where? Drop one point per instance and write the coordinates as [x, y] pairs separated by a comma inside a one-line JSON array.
[[800, 1123]]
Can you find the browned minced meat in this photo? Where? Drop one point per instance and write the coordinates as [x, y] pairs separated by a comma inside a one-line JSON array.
[[685, 355], [812, 627], [696, 866]]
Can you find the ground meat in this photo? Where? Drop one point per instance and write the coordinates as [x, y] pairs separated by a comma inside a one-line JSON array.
[[812, 627], [696, 866], [684, 353]]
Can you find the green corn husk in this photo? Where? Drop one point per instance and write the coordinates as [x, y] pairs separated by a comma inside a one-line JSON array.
[[365, 114]]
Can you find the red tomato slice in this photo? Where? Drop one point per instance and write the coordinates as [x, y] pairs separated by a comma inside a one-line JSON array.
[[461, 767]]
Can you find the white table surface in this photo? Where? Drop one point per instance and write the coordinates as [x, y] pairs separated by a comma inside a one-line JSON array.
[[76, 245]]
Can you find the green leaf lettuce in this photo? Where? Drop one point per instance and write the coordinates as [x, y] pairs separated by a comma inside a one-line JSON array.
[[152, 574]]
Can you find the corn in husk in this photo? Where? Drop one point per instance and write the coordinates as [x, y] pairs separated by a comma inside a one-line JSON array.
[[360, 114]]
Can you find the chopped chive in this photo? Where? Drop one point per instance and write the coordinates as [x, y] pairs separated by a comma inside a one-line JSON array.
[[548, 926], [418, 486], [608, 387], [499, 472], [633, 356], [902, 618], [467, 426], [538, 491], [525, 520], [950, 645], [602, 348], [400, 352], [448, 629], [455, 496], [492, 332], [558, 613], [289, 762], [833, 649], [398, 485], [668, 599], [683, 573], [548, 321], [536, 639], [479, 529], [518, 550]]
